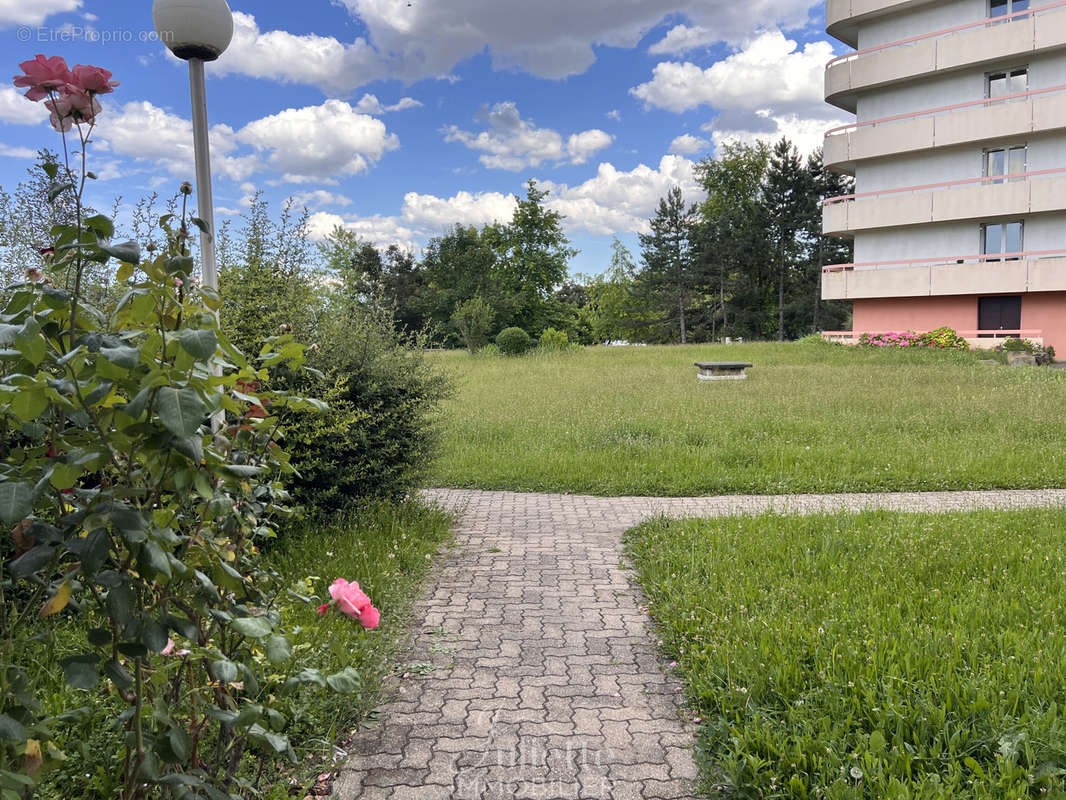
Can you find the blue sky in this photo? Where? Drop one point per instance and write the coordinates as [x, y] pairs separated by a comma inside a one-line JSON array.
[[398, 118]]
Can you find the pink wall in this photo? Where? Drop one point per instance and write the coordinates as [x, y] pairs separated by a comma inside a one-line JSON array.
[[1044, 311], [915, 313]]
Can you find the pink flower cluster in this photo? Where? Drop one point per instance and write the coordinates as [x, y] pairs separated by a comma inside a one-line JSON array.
[[353, 601], [904, 339], [71, 93]]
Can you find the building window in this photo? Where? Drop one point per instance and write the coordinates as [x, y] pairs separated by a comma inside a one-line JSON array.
[[1003, 161], [1001, 238], [1008, 82], [1001, 8]]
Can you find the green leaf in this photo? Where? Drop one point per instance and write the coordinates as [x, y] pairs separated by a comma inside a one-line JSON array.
[[30, 343], [11, 729], [81, 671], [128, 252], [253, 627], [154, 561], [122, 355], [55, 188], [277, 742], [243, 470], [224, 670], [128, 521], [180, 264], [32, 561], [192, 447], [28, 403], [101, 225], [51, 169], [153, 635], [200, 343], [118, 674], [278, 649], [16, 501], [345, 682], [306, 675], [180, 410], [120, 604]]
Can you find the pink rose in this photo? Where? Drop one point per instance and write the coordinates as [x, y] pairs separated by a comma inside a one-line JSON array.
[[93, 79], [71, 105], [43, 75], [353, 601], [166, 651]]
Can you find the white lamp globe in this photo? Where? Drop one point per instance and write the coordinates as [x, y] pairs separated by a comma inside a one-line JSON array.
[[194, 28]]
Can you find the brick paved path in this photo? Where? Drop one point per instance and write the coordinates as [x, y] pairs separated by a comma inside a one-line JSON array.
[[533, 675]]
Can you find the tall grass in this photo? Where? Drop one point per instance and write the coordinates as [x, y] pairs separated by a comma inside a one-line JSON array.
[[811, 418], [870, 656]]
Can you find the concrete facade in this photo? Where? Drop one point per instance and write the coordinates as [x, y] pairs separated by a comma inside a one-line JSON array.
[[959, 157]]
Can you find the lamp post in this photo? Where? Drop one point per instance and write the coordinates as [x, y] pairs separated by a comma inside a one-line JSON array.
[[197, 31]]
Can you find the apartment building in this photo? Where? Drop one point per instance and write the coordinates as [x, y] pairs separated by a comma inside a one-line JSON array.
[[958, 151]]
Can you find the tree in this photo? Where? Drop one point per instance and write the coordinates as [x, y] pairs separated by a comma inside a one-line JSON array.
[[732, 247], [788, 197], [669, 280], [826, 250], [265, 278], [474, 319], [535, 255], [457, 267]]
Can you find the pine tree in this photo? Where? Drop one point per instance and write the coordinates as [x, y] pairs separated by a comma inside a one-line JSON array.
[[668, 281], [787, 197]]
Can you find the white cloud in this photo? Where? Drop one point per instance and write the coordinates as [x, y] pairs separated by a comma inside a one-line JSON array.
[[319, 198], [16, 109], [145, 132], [686, 145], [682, 38], [806, 134], [614, 114], [7, 151], [436, 214], [289, 58], [319, 142], [380, 231], [622, 202], [20, 12], [369, 104], [513, 143], [769, 72], [550, 38]]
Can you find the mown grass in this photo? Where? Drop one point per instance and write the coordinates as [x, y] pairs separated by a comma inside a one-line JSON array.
[[811, 418], [868, 656], [387, 548]]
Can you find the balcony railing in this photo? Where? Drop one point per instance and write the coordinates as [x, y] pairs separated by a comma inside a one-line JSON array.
[[928, 112], [938, 261], [948, 31], [927, 187]]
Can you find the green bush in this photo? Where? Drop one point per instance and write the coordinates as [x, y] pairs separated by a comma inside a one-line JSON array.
[[553, 340], [377, 436], [513, 341], [474, 319], [488, 351], [1019, 346]]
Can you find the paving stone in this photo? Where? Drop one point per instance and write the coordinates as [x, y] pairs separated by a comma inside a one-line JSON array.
[[551, 687]]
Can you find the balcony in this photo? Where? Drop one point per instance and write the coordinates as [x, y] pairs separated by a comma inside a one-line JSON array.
[[842, 17], [974, 198], [1008, 273], [976, 43], [1037, 111]]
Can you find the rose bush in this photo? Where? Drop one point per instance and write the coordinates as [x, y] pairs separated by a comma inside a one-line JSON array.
[[133, 514]]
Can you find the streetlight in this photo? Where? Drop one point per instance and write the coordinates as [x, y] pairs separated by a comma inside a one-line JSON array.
[[197, 31]]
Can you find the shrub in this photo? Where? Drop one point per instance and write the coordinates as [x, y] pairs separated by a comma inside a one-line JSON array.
[[377, 436], [1019, 346], [488, 351], [941, 338], [147, 478], [815, 339], [513, 341], [474, 319], [553, 340]]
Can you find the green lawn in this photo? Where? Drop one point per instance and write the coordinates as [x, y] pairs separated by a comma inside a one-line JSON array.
[[868, 656], [811, 418]]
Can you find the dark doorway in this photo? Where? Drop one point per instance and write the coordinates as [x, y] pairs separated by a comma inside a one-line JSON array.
[[999, 313]]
